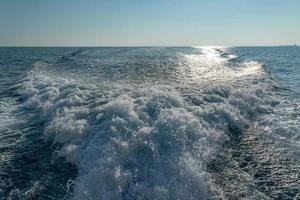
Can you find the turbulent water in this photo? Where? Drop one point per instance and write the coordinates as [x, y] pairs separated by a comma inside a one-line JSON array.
[[150, 123]]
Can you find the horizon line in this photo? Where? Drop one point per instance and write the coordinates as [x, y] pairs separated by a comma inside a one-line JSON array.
[[118, 46]]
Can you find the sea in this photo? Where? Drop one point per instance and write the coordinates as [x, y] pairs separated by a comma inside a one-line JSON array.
[[150, 123]]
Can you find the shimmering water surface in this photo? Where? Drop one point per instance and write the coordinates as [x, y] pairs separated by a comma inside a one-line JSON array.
[[150, 123]]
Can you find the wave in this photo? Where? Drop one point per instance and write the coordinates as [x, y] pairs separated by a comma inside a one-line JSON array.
[[144, 141]]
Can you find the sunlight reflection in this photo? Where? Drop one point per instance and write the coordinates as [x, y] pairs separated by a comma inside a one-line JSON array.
[[214, 63]]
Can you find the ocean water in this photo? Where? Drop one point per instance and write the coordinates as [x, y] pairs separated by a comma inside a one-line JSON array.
[[150, 123]]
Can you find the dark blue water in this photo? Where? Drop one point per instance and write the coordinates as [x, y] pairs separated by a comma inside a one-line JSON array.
[[150, 123]]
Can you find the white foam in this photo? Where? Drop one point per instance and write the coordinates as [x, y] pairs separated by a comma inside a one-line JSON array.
[[150, 143]]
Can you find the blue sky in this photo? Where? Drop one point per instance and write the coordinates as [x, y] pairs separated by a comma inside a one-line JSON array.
[[149, 22]]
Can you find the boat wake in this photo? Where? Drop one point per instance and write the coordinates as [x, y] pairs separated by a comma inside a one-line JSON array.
[[157, 126]]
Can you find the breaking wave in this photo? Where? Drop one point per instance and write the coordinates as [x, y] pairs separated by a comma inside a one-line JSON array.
[[132, 139]]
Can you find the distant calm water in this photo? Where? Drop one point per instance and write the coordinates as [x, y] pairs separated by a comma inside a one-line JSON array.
[[150, 123]]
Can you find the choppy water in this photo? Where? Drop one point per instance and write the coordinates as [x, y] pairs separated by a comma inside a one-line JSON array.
[[150, 123]]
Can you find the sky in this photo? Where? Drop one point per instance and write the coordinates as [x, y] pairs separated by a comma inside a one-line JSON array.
[[149, 22]]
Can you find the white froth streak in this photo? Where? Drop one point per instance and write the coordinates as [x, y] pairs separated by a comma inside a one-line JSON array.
[[152, 146]]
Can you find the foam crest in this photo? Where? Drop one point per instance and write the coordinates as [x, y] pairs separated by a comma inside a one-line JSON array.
[[142, 142]]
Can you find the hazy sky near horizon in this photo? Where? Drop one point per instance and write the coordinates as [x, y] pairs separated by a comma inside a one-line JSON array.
[[149, 22]]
